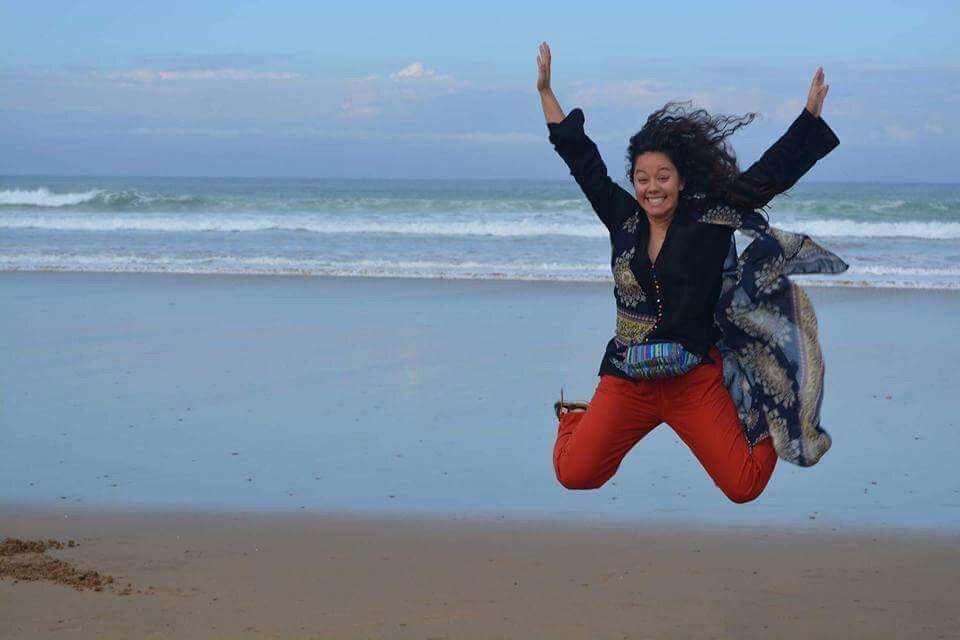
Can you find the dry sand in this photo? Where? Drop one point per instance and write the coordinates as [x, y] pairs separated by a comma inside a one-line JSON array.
[[257, 575]]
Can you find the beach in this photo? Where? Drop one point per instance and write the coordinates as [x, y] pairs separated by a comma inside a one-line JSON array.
[[286, 456], [289, 294], [249, 575]]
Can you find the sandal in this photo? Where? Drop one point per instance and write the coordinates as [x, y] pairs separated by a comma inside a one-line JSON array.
[[560, 407]]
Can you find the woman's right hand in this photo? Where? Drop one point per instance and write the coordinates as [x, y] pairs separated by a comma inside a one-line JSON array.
[[543, 68], [818, 91]]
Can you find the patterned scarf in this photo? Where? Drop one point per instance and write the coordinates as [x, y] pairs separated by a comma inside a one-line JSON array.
[[772, 364]]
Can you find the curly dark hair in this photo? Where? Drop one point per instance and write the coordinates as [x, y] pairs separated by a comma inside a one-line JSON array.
[[696, 143]]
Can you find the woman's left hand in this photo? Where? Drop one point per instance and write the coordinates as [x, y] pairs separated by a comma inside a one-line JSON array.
[[818, 91]]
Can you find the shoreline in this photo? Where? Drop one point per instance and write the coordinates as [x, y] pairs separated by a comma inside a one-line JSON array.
[[573, 522], [831, 283]]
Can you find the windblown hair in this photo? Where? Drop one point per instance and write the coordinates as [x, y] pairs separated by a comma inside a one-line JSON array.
[[696, 143]]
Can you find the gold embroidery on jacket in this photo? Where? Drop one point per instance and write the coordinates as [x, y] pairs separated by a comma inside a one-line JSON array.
[[628, 288], [722, 215], [633, 328]]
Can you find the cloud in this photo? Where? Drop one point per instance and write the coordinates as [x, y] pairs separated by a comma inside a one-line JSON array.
[[480, 137], [638, 93], [228, 60], [363, 99], [192, 131], [165, 75], [905, 134], [910, 67], [901, 134], [471, 137], [652, 93], [369, 96], [415, 70], [788, 108], [355, 108]]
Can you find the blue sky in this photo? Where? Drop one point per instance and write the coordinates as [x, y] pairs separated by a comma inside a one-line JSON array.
[[438, 90]]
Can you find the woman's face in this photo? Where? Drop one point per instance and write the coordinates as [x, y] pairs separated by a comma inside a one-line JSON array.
[[657, 183]]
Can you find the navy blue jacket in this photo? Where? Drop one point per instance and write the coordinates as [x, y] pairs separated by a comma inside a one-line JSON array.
[[676, 298]]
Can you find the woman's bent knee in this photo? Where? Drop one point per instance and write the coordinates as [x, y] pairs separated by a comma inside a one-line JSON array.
[[742, 497], [579, 479], [753, 478], [742, 493]]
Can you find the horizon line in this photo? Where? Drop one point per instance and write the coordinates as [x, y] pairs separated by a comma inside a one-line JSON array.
[[397, 178]]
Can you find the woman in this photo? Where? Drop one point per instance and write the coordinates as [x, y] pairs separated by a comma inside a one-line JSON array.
[[721, 348]]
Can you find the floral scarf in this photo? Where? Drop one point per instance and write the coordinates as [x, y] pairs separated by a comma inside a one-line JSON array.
[[772, 363]]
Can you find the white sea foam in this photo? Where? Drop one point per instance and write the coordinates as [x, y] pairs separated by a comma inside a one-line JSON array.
[[226, 264], [840, 228], [857, 276], [136, 200], [233, 223], [42, 197], [892, 270], [874, 283], [509, 224], [237, 223], [886, 205]]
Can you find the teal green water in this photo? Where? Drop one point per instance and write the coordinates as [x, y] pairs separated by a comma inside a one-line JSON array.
[[904, 235]]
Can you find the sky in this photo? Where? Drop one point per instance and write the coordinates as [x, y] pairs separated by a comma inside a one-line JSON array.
[[448, 90]]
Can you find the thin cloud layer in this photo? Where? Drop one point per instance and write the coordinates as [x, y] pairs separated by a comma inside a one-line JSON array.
[[158, 111], [900, 133], [162, 75], [373, 95], [621, 94]]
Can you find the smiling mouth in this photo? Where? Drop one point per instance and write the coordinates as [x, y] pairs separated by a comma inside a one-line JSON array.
[[656, 201]]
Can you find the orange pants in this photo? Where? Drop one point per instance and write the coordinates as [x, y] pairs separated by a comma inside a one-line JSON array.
[[591, 444]]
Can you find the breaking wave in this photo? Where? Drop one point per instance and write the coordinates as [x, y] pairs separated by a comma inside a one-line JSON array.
[[43, 198]]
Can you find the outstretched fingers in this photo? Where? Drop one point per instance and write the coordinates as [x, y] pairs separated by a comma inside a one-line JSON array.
[[543, 67], [817, 93]]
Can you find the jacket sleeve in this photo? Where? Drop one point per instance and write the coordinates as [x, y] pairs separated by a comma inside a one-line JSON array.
[[806, 141], [612, 203]]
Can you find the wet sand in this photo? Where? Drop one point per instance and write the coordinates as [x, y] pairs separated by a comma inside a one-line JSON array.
[[259, 575], [407, 396], [28, 561]]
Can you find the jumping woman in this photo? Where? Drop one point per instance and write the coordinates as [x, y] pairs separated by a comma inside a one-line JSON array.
[[721, 347]]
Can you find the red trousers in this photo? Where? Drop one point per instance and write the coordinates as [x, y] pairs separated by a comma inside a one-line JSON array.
[[590, 445]]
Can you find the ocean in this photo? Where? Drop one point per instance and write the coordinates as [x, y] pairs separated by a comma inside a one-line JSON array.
[[892, 235]]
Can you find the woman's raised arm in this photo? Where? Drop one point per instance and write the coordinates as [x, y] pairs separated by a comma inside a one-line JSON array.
[[806, 141], [551, 107], [611, 202]]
